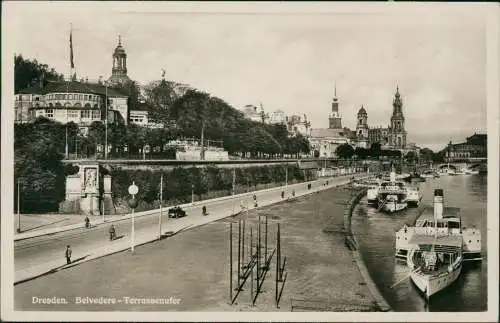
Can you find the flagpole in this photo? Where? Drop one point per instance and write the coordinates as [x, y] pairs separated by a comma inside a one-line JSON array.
[[106, 125]]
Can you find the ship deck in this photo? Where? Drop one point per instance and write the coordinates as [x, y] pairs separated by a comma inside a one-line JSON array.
[[448, 213]]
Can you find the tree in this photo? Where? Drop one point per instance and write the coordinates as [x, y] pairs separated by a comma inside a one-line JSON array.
[[38, 151], [27, 72], [375, 150], [161, 95], [426, 154], [344, 151], [411, 156], [362, 153]]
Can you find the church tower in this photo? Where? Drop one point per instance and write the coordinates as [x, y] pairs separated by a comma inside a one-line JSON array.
[[362, 128], [119, 71], [397, 137], [334, 118]]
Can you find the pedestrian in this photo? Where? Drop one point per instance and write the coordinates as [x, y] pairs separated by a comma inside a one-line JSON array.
[[112, 232], [293, 192], [87, 222], [282, 194], [68, 254]]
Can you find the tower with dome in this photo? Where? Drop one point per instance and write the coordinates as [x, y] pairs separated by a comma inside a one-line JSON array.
[[119, 71]]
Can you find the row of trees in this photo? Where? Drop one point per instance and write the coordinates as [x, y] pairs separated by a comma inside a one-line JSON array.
[[346, 151], [192, 112], [180, 182]]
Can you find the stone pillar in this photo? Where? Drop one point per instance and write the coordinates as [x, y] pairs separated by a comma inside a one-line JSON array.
[[89, 179], [107, 200]]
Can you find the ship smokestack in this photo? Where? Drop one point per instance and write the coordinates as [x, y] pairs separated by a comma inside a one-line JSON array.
[[392, 175], [438, 203]]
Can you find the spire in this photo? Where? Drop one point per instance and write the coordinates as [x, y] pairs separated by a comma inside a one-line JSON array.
[[335, 89], [119, 40]]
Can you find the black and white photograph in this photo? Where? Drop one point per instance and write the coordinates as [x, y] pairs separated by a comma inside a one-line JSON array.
[[236, 161]]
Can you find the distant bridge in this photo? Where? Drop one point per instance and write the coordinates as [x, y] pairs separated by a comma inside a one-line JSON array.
[[480, 164]]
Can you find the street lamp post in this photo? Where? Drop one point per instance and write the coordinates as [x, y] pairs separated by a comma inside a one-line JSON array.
[[133, 190], [106, 125], [286, 180], [18, 211], [161, 206], [192, 193]]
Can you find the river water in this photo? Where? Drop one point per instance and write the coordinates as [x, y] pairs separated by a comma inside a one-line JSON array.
[[375, 232]]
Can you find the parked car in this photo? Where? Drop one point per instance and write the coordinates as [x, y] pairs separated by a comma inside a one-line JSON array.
[[176, 212]]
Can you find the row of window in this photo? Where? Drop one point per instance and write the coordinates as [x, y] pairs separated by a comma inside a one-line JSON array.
[[75, 114], [81, 97]]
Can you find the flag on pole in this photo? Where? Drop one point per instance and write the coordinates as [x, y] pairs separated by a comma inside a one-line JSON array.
[[71, 48]]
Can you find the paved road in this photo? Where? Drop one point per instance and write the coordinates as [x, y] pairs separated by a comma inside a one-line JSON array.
[[50, 248]]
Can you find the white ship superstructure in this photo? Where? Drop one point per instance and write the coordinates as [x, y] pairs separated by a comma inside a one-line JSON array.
[[436, 246]]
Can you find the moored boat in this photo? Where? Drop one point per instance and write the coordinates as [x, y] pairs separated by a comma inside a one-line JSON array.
[[436, 247], [429, 174], [392, 195]]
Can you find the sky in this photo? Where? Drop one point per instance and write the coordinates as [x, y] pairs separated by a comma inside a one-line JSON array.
[[284, 56]]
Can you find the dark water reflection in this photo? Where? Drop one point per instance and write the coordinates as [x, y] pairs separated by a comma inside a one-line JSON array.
[[375, 232]]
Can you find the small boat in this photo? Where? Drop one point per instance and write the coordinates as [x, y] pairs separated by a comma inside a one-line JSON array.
[[450, 171], [469, 171], [436, 247], [393, 201], [429, 174]]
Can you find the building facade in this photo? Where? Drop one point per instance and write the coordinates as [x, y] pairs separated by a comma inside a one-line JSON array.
[[70, 101], [81, 102], [324, 141], [140, 116], [475, 146], [254, 113], [295, 125], [391, 137], [277, 117]]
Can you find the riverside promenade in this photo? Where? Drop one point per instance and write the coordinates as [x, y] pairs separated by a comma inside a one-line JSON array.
[[41, 252], [193, 267]]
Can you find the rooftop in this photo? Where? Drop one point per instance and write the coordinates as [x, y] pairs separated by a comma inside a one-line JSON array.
[[327, 133], [71, 87]]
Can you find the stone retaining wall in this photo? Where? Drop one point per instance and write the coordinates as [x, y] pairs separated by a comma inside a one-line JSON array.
[[352, 244]]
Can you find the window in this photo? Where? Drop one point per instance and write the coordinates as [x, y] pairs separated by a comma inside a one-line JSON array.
[[65, 96], [81, 97], [73, 114], [70, 97], [49, 113], [85, 114], [96, 114]]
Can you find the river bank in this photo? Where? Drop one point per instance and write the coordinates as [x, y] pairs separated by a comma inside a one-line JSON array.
[[352, 244], [194, 267]]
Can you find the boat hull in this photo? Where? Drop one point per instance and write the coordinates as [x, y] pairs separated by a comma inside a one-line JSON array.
[[393, 206], [430, 285]]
